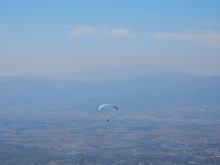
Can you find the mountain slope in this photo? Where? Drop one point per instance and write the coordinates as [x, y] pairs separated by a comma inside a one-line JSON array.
[[103, 74], [168, 89]]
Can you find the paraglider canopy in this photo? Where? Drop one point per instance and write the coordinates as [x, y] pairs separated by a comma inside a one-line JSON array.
[[107, 105]]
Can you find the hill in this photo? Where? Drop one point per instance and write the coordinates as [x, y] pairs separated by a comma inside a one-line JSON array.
[[167, 89], [124, 72]]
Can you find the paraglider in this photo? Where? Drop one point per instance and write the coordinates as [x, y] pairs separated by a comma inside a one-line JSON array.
[[108, 105]]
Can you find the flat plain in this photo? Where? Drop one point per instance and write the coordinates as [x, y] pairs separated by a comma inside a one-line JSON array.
[[128, 131]]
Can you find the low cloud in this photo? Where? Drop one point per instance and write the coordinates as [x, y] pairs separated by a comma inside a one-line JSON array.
[[117, 33], [83, 30], [207, 38]]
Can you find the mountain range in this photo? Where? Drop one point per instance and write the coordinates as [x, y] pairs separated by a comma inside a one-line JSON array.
[[124, 72], [134, 90]]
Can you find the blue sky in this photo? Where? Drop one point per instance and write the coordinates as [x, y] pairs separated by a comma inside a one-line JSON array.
[[54, 37]]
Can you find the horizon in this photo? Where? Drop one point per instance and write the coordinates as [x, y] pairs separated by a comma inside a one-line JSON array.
[[95, 69], [33, 74], [55, 38]]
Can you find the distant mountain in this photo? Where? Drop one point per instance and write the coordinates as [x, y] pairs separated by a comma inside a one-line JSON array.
[[167, 89], [21, 91], [33, 76], [124, 72]]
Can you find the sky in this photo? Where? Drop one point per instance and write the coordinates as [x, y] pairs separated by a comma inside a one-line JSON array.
[[57, 38]]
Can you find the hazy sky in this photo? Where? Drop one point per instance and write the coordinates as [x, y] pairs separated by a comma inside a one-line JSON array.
[[56, 37]]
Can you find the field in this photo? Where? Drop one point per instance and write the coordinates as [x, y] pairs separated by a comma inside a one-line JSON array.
[[129, 132]]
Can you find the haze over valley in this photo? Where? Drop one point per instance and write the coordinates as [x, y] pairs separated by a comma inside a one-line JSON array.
[[109, 82], [157, 108]]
